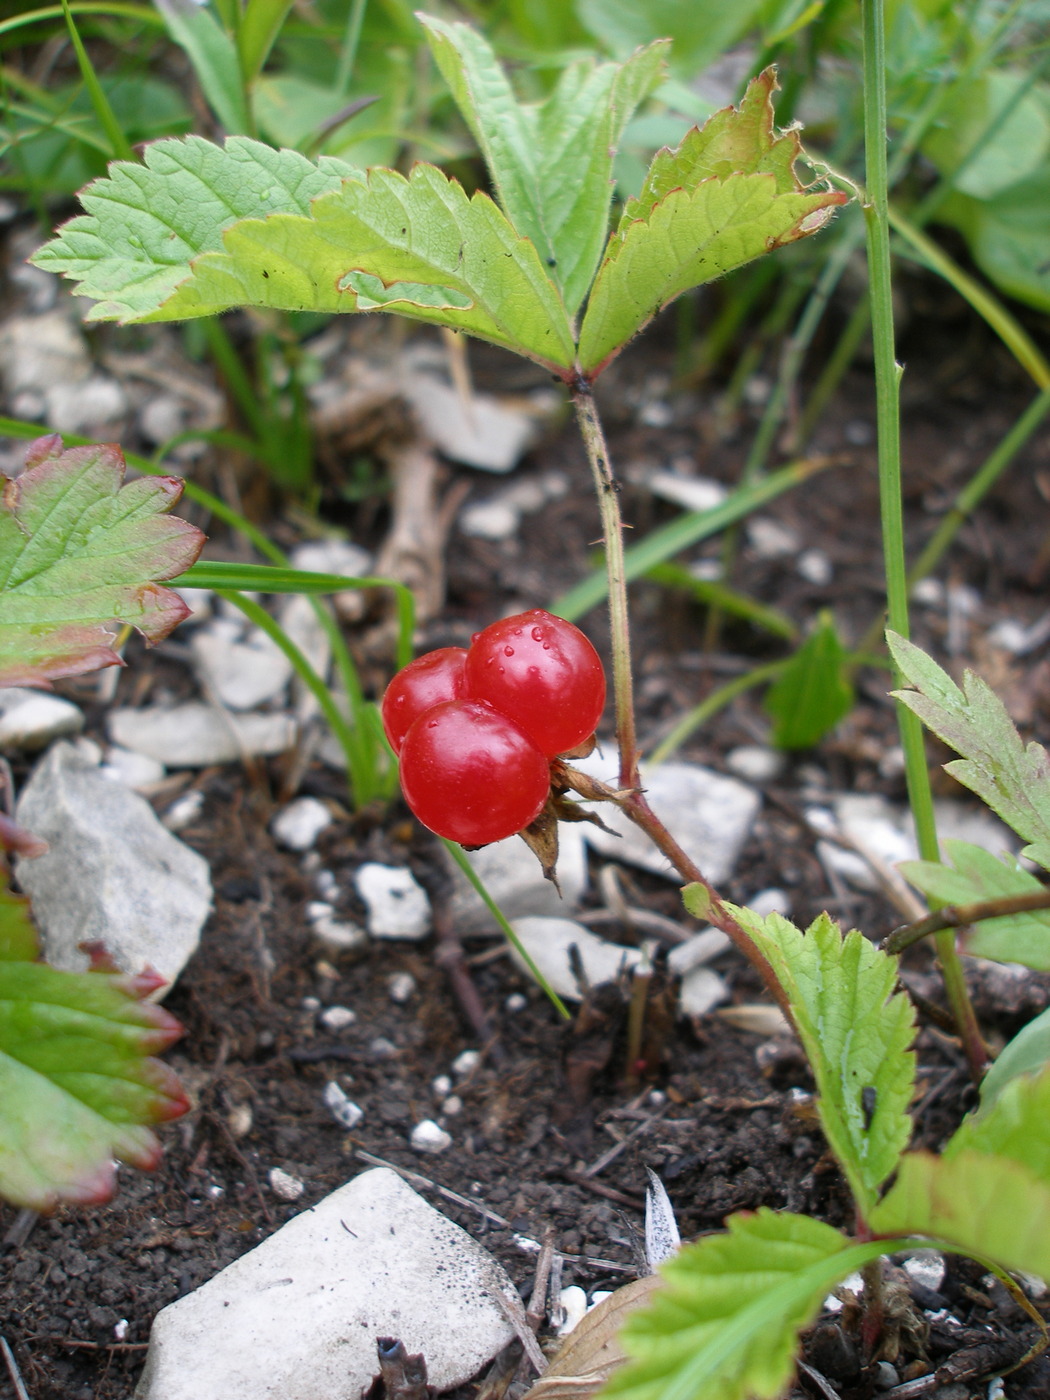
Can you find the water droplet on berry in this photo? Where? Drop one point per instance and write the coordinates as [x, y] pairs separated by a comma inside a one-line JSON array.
[[475, 636], [502, 670], [537, 634], [546, 646], [508, 651]]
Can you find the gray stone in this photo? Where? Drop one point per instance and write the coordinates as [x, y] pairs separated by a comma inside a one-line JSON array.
[[134, 770], [242, 666], [398, 907], [514, 878], [112, 873], [482, 433], [30, 719], [297, 1318], [196, 735], [708, 814], [755, 763], [298, 825]]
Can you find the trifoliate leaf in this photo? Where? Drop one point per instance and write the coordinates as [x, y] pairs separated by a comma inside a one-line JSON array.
[[1027, 1053], [705, 210], [80, 550], [985, 1205], [551, 162], [856, 1031], [977, 876], [1012, 777], [417, 246], [813, 692], [78, 1086], [146, 223], [1014, 1122], [725, 1324]]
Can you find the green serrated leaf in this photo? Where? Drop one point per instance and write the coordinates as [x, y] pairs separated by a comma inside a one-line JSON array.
[[146, 223], [1012, 777], [726, 1323], [978, 875], [697, 226], [813, 692], [1027, 1053], [1012, 1122], [551, 162], [985, 1205], [856, 1031], [78, 1084], [80, 550]]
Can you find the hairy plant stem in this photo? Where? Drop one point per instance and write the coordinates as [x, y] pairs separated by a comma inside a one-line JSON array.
[[631, 799], [887, 403]]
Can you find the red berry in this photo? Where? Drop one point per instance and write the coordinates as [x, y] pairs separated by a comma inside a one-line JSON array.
[[428, 681], [541, 672], [472, 775]]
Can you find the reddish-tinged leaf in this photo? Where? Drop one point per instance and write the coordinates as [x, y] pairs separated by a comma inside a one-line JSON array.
[[79, 552]]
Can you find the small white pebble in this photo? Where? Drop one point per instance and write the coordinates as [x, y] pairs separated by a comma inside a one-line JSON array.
[[466, 1063], [214, 1191], [657, 1098], [755, 762], [319, 909], [299, 824], [382, 1049], [573, 1305], [239, 1120], [326, 885], [891, 762], [311, 1005], [926, 1268], [337, 1018], [401, 987], [134, 770], [345, 1112], [929, 592], [815, 567], [120, 1329], [598, 1296], [428, 1137], [771, 901], [284, 1186], [656, 415], [452, 1105], [339, 934], [183, 810], [517, 1001], [442, 1086]]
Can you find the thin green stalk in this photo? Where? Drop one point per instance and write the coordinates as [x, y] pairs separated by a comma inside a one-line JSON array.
[[887, 405], [612, 532], [979, 484], [460, 857], [357, 744], [351, 39], [232, 370], [119, 143], [717, 700]]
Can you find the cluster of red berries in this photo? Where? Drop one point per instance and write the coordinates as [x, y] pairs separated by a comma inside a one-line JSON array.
[[475, 729]]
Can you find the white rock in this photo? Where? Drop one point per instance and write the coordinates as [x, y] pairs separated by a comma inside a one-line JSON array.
[[297, 1318], [755, 763], [134, 770], [319, 909], [30, 719], [771, 540], [397, 905], [336, 557], [701, 991], [513, 877], [184, 811], [574, 1307], [112, 873], [337, 1018], [441, 1086], [244, 669], [697, 950], [452, 1106], [927, 1268], [345, 1112], [929, 592], [485, 433], [709, 814], [465, 1063], [195, 735], [88, 404], [690, 492], [815, 567], [770, 901], [548, 942], [339, 934], [285, 1186], [427, 1136], [517, 1001], [401, 987], [299, 620], [38, 352], [298, 825], [489, 520]]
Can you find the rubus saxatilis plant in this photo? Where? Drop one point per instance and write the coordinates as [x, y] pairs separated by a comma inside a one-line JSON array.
[[79, 1084]]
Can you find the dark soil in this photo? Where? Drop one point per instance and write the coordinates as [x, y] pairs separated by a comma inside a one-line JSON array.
[[726, 1118]]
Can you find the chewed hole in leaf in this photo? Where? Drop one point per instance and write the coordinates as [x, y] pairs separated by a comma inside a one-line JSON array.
[[372, 294]]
